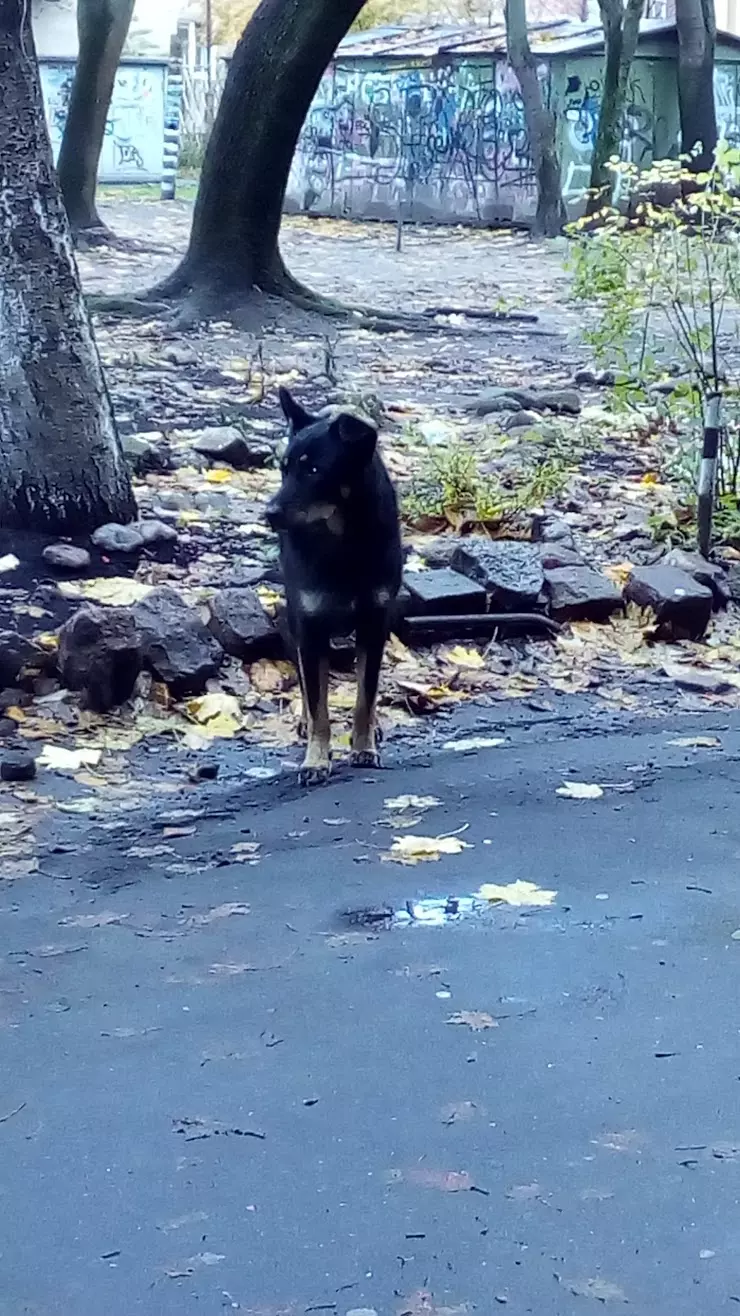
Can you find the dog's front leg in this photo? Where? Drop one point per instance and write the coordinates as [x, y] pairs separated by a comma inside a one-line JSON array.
[[372, 633], [313, 664]]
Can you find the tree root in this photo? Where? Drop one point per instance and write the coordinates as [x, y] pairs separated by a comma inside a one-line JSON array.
[[89, 239]]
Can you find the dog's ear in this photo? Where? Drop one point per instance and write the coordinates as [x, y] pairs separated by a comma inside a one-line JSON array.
[[358, 437], [296, 415]]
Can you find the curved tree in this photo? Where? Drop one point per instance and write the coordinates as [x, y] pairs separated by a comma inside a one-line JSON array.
[[102, 27], [274, 74], [61, 466], [550, 215]]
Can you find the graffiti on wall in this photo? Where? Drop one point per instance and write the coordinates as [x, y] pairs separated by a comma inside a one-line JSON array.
[[448, 141], [581, 109], [134, 131], [727, 102]]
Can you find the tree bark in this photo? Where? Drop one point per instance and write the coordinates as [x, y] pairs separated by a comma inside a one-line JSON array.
[[102, 27], [550, 215], [61, 466], [273, 76], [697, 34], [621, 25]]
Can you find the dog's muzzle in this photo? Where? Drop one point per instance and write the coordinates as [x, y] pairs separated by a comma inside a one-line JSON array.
[[275, 515]]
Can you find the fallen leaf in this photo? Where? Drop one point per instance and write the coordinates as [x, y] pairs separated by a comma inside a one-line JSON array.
[[580, 790], [516, 893], [475, 742], [218, 476], [401, 802], [220, 911], [601, 1289], [476, 1020], [59, 759], [422, 849], [271, 678], [446, 1181], [117, 591], [697, 742], [217, 714], [9, 562], [462, 657]]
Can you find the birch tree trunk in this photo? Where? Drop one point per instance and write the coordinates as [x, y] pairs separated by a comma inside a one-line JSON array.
[[61, 466]]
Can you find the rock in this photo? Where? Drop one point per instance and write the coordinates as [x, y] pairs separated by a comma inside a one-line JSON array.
[[598, 378], [490, 402], [733, 581], [557, 555], [180, 356], [14, 697], [157, 532], [114, 538], [7, 727], [707, 573], [176, 645], [241, 625], [206, 771], [681, 605], [226, 443], [147, 453], [562, 400], [17, 765], [100, 655], [549, 529], [578, 593], [510, 571], [443, 593], [520, 420], [66, 557], [16, 652]]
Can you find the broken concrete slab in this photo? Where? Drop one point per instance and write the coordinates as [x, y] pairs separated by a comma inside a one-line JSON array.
[[100, 655], [707, 573], [177, 646], [509, 570], [240, 624], [578, 593], [681, 605], [443, 592]]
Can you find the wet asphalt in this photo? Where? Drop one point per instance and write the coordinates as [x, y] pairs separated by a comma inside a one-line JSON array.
[[235, 1086]]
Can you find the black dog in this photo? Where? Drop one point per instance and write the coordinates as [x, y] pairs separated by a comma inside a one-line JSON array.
[[340, 550]]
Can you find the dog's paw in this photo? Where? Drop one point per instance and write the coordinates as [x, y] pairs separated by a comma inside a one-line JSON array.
[[364, 758], [317, 775], [302, 730]]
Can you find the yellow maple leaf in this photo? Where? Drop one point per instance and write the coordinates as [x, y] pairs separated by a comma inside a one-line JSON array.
[[516, 893], [423, 849]]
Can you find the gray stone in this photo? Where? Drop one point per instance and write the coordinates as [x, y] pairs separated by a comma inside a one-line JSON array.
[[176, 645], [16, 652], [550, 529], [157, 532], [681, 605], [114, 538], [510, 571], [241, 625], [707, 573], [558, 555], [66, 557], [733, 581], [17, 765], [699, 681], [443, 593], [578, 593], [520, 420], [490, 402], [147, 453], [562, 400], [100, 655], [227, 443]]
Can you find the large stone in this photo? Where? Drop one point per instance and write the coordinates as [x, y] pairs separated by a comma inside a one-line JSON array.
[[241, 625], [490, 400], [114, 538], [16, 652], [510, 571], [443, 593], [147, 453], [176, 645], [157, 532], [707, 573], [578, 593], [227, 443], [100, 655], [66, 557], [681, 605], [550, 529], [558, 555]]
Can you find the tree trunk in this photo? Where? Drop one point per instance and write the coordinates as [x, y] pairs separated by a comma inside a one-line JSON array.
[[697, 33], [102, 27], [550, 216], [61, 466], [273, 77], [621, 31]]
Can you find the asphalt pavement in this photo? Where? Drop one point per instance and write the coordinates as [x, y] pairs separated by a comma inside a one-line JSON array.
[[270, 1079]]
